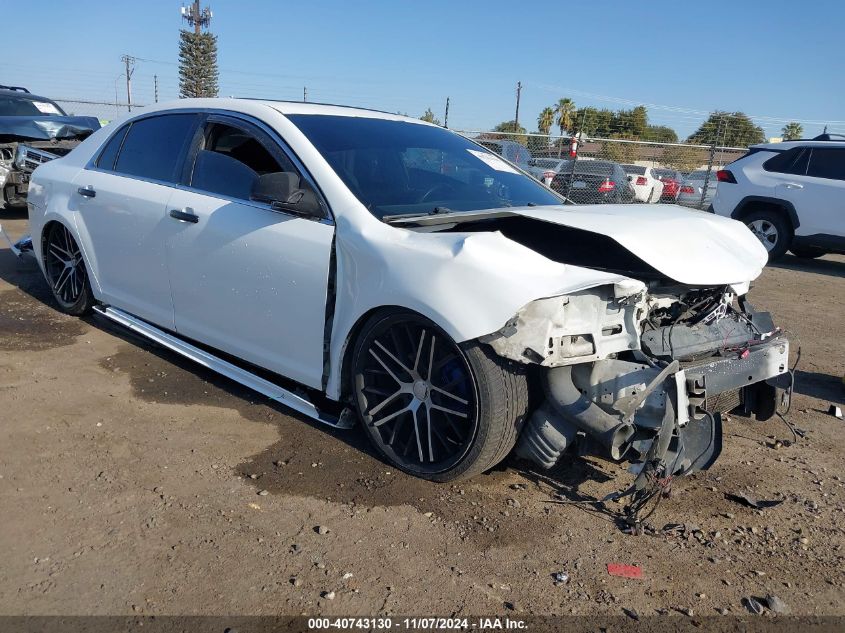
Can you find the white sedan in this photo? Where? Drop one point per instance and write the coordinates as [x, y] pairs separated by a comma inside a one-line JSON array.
[[646, 184], [358, 266]]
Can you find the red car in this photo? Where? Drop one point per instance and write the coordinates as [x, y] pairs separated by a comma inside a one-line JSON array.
[[671, 180]]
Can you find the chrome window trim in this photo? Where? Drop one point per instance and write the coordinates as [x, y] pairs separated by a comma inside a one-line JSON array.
[[273, 134]]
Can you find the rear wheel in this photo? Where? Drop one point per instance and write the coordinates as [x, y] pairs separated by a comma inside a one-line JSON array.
[[66, 272], [434, 408], [771, 229]]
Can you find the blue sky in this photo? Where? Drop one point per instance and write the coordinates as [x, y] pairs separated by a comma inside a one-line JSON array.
[[763, 57]]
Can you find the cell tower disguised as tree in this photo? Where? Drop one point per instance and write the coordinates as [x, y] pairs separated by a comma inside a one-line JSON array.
[[197, 54]]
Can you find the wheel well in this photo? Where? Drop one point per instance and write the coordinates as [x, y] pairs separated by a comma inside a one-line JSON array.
[[781, 209], [44, 231], [349, 346]]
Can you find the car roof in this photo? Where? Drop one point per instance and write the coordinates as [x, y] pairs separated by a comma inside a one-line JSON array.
[[239, 104], [785, 145], [20, 94]]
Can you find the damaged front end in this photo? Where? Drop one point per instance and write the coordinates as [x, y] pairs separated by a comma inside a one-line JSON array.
[[643, 373], [26, 143]]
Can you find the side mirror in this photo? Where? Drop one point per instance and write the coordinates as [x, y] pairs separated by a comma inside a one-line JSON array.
[[283, 193], [630, 178]]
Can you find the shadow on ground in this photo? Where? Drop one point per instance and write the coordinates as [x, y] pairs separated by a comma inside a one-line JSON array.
[[821, 386], [821, 266]]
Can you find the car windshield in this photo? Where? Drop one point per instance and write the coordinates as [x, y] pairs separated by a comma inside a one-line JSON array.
[[665, 173], [18, 106], [399, 167], [589, 167], [634, 169], [547, 163], [700, 175]]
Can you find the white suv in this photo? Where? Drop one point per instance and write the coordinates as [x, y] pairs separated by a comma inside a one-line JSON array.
[[791, 195]]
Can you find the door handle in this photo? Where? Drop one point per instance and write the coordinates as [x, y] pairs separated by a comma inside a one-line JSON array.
[[184, 216], [87, 191], [793, 185]]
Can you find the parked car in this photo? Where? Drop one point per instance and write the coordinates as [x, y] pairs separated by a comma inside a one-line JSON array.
[[33, 130], [647, 186], [791, 195], [593, 182], [671, 180], [515, 152], [358, 266], [544, 169], [692, 187]]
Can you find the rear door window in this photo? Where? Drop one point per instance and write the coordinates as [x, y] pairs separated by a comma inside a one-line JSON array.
[[109, 153], [153, 147], [827, 163], [793, 161]]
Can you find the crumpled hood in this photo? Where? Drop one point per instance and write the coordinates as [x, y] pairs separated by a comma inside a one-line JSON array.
[[48, 127], [692, 247]]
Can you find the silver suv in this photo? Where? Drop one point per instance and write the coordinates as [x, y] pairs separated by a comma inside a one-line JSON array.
[[791, 195]]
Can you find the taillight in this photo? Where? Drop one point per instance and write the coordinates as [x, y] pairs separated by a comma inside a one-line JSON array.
[[641, 180], [725, 175], [687, 189], [607, 185]]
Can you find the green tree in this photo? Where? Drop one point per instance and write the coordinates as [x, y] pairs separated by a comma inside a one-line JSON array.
[[509, 130], [546, 120], [620, 152], [660, 134], [792, 131], [683, 158], [564, 110], [429, 117], [198, 73], [730, 129]]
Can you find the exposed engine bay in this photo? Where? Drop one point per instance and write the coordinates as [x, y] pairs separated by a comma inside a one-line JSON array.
[[644, 374]]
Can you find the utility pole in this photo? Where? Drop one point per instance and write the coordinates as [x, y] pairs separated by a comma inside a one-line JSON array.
[[446, 118], [196, 17], [129, 61], [155, 87], [304, 94], [518, 93]]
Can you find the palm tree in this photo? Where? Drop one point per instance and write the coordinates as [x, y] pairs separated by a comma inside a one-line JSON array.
[[546, 120], [564, 110], [792, 131]]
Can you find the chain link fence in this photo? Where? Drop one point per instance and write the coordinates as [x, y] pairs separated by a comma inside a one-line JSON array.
[[596, 170], [103, 110]]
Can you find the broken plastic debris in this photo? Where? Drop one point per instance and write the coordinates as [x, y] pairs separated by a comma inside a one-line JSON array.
[[624, 571], [560, 577], [753, 605], [747, 500], [835, 411]]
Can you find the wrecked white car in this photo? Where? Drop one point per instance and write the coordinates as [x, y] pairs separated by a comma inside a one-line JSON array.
[[361, 266], [33, 131]]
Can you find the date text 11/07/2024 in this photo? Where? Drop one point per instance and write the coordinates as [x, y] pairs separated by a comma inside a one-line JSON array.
[[417, 624]]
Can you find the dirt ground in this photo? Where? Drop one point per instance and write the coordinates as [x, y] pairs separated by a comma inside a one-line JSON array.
[[132, 482]]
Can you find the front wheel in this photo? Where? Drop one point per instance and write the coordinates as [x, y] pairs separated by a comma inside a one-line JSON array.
[[66, 272], [433, 408], [772, 231]]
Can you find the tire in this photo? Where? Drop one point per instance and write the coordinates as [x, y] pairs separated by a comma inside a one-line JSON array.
[[771, 229], [65, 271], [807, 252], [402, 364]]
